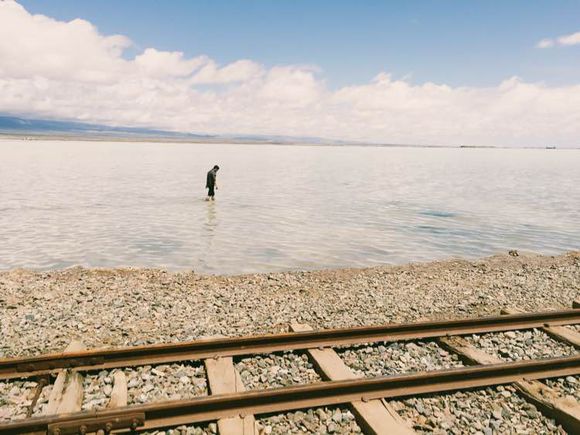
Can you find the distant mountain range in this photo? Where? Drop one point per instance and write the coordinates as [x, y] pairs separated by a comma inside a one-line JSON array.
[[59, 129], [10, 125]]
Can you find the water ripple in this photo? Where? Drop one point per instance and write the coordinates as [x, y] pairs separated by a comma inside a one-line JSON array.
[[278, 208]]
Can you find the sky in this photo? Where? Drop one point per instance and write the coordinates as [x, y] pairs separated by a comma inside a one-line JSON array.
[[412, 72]]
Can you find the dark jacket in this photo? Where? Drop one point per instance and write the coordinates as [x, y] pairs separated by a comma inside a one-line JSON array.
[[210, 182]]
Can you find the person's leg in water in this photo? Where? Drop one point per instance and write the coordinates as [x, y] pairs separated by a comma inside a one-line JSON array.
[[210, 194]]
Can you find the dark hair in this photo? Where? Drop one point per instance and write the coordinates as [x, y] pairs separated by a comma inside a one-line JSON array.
[[216, 167]]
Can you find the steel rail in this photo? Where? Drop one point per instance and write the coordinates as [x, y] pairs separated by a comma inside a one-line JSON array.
[[99, 359], [175, 413]]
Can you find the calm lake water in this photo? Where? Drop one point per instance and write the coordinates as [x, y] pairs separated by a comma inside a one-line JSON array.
[[278, 207]]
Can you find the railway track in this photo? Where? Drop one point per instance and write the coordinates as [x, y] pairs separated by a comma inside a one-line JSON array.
[[234, 409]]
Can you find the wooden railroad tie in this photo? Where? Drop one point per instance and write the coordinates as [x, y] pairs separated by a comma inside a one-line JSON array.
[[375, 416], [98, 359], [373, 413], [66, 395], [119, 394], [565, 410], [223, 378]]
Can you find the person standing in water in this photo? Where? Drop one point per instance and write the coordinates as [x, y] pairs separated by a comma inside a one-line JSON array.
[[210, 183]]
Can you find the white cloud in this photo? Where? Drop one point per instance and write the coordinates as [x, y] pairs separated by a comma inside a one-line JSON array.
[[565, 40], [546, 43], [291, 86], [572, 39], [239, 71], [38, 45], [55, 69], [160, 64]]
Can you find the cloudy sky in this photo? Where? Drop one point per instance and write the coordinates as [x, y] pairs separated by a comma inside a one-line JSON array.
[[414, 72]]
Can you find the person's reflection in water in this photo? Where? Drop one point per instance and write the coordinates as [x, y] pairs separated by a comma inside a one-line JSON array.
[[208, 230], [210, 226], [211, 221]]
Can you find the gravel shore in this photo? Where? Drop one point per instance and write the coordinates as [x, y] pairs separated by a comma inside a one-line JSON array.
[[520, 345], [15, 399], [568, 386], [313, 421], [384, 359], [41, 312], [483, 412], [276, 370], [210, 429], [147, 384]]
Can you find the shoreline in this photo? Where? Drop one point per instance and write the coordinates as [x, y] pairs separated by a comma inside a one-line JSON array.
[[43, 311], [236, 141], [324, 270]]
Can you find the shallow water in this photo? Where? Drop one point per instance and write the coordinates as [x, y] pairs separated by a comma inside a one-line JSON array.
[[103, 204]]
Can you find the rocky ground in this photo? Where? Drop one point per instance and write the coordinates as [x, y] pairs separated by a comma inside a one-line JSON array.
[[568, 386], [383, 359], [42, 402], [313, 421], [41, 312], [483, 412], [521, 345], [210, 429], [147, 384], [15, 399], [276, 371]]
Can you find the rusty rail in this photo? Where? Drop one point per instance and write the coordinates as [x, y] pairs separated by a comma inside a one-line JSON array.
[[221, 347], [174, 413]]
